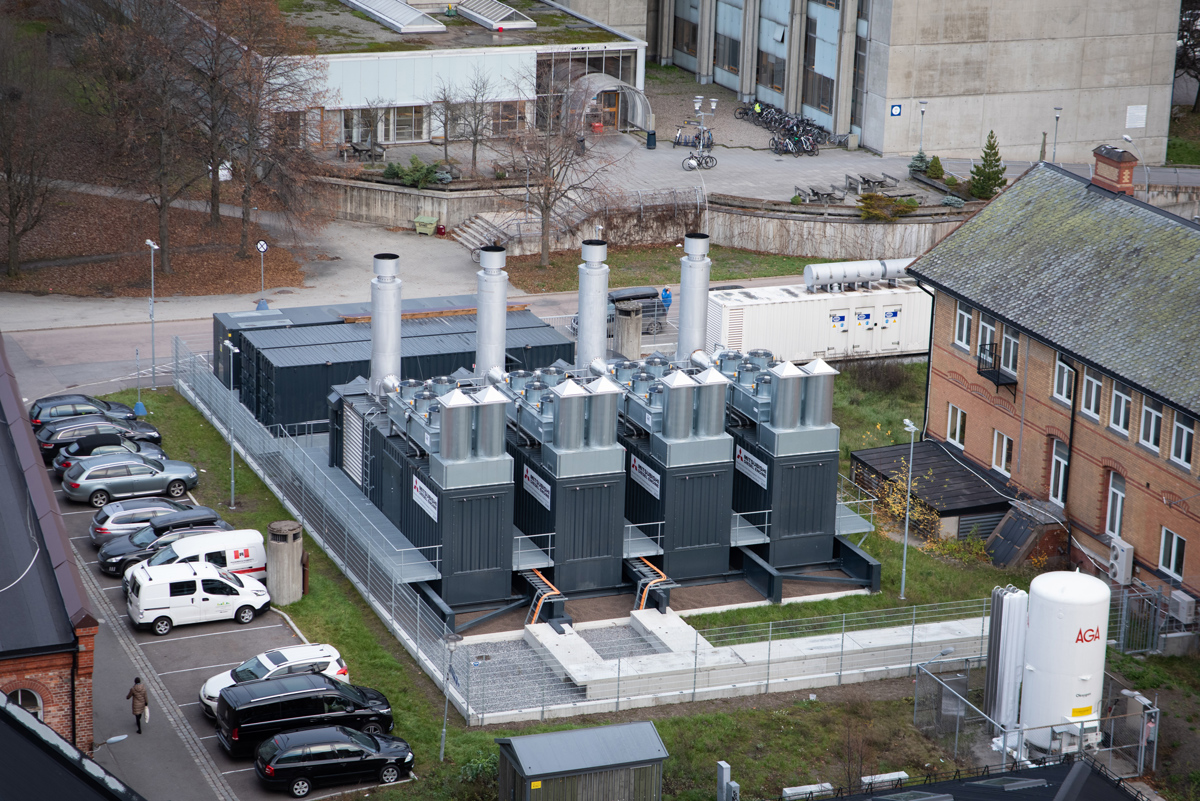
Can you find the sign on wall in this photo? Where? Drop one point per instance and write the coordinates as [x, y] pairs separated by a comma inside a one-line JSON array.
[[753, 467], [536, 487], [425, 498], [640, 472]]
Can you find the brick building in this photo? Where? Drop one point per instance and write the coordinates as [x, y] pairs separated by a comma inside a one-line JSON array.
[[48, 629], [1063, 317]]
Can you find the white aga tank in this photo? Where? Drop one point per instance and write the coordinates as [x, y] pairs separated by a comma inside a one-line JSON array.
[[1064, 652]]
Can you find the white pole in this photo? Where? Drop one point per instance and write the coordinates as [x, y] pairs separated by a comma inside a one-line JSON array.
[[912, 435], [153, 361]]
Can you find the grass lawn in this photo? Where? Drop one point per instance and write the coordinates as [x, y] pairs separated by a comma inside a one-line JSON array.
[[871, 402], [650, 266], [771, 741], [1183, 145]]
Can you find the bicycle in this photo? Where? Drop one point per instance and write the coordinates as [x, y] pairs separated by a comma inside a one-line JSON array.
[[701, 161]]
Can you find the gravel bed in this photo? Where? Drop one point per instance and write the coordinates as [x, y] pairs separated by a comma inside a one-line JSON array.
[[509, 674]]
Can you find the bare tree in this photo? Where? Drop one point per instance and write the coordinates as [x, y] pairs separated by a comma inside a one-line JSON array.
[[28, 105], [108, 66], [1187, 52], [277, 82], [561, 169], [444, 110], [215, 56], [476, 111]]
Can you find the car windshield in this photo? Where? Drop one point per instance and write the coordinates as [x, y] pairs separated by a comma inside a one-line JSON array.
[[231, 578], [100, 403], [143, 537], [353, 692], [365, 740], [155, 464], [250, 669], [164, 557]]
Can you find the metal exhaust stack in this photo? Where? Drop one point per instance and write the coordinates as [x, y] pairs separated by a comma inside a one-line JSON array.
[[492, 311], [592, 336], [694, 269], [385, 324]]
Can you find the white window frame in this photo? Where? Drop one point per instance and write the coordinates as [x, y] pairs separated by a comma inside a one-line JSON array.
[[1183, 437], [956, 427], [1120, 414], [1064, 380], [1171, 553], [1002, 447], [962, 325], [1116, 504], [987, 330], [40, 714], [1150, 430], [1093, 384], [1059, 462], [1010, 351]]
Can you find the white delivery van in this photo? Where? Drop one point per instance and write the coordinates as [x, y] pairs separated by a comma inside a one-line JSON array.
[[241, 552], [160, 597]]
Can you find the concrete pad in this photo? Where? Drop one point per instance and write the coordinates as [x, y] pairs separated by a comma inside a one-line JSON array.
[[668, 630]]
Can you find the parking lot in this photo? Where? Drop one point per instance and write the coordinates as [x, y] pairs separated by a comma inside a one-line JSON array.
[[182, 660]]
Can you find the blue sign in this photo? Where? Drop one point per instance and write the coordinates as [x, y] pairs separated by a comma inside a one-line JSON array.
[[895, 109]]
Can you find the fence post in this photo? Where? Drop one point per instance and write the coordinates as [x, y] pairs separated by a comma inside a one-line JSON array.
[[916, 694], [618, 708], [912, 643], [695, 664], [842, 653], [767, 688]]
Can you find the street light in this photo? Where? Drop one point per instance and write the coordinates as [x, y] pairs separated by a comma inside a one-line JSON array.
[[110, 741], [697, 102], [1054, 151], [912, 435], [452, 640], [921, 145], [229, 423], [153, 376], [1145, 166]]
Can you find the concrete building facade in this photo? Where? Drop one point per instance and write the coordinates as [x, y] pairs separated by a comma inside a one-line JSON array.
[[1056, 381], [863, 66]]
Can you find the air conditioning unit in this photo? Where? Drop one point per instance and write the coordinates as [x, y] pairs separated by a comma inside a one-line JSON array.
[[1183, 607], [1120, 561]]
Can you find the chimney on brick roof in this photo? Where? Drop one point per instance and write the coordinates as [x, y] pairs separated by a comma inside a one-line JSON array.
[[1114, 169]]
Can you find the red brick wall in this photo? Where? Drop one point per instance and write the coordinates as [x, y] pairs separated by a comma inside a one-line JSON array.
[[50, 677], [1034, 419]]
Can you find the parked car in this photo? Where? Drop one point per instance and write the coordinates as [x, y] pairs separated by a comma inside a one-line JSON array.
[[119, 518], [240, 551], [56, 407], [121, 553], [297, 760], [654, 313], [253, 711], [100, 444], [160, 598], [280, 662], [53, 437], [98, 480]]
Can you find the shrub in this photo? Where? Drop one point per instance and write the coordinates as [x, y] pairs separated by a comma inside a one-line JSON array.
[[418, 173], [935, 168], [920, 162], [797, 200], [873, 206], [988, 175], [877, 375], [953, 200], [951, 180]]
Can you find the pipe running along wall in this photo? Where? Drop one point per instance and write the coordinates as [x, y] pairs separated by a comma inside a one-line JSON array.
[[385, 324], [492, 310], [592, 335], [694, 270]]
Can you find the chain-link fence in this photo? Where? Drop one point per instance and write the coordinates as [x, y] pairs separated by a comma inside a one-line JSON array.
[[515, 675], [947, 703]]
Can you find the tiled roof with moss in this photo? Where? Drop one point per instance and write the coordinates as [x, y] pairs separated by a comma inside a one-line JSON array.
[[1100, 276]]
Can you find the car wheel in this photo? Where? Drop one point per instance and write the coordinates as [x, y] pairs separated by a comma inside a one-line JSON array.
[[125, 567], [162, 626], [389, 774], [244, 615], [372, 728], [176, 489], [98, 498], [301, 788], [654, 327]]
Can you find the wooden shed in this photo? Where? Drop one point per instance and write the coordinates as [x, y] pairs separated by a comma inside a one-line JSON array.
[[622, 762]]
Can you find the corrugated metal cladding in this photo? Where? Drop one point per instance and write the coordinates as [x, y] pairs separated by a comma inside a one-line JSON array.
[[586, 516], [473, 525], [623, 784], [695, 504]]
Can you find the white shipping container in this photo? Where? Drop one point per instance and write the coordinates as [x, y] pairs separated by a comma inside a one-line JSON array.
[[798, 325]]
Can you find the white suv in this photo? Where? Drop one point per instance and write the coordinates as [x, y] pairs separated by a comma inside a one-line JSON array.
[[280, 662]]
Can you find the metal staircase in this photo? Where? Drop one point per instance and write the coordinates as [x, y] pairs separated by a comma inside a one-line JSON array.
[[648, 578], [543, 590]]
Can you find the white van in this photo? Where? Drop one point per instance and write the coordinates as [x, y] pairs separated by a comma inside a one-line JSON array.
[[241, 552], [160, 597]]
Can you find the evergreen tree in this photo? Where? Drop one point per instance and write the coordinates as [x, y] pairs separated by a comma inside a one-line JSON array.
[[988, 175]]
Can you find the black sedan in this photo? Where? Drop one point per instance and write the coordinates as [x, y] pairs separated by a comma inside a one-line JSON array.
[[121, 553], [100, 444], [297, 760], [53, 437], [58, 407]]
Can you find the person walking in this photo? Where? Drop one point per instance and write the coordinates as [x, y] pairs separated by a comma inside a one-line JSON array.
[[666, 298], [138, 693]]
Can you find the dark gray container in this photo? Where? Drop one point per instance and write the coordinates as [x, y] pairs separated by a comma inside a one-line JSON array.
[[586, 515], [801, 493], [694, 504]]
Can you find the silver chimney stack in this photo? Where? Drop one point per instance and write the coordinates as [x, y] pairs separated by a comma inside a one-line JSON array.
[[385, 324], [694, 269], [591, 340], [492, 312]]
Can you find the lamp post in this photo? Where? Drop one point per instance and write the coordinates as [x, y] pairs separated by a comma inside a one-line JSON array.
[[153, 375], [1145, 166], [912, 435], [261, 246], [229, 423], [452, 640], [1054, 150], [697, 102], [921, 142], [110, 741]]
